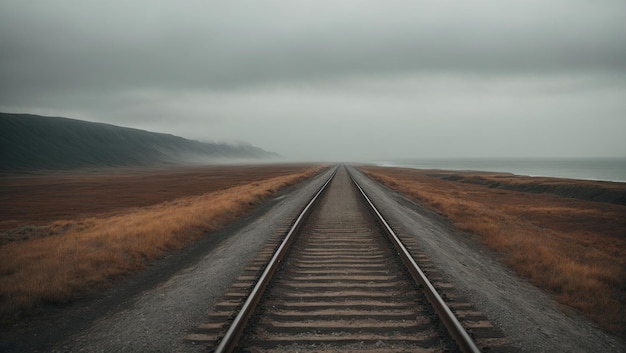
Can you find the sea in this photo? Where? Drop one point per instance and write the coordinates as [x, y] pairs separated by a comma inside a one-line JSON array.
[[606, 169]]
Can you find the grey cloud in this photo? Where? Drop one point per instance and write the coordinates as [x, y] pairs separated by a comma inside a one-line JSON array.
[[453, 77], [146, 45]]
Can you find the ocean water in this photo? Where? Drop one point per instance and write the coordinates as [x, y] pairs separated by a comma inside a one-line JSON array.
[[608, 169]]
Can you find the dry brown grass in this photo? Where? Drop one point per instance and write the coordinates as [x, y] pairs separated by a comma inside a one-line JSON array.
[[41, 198], [573, 249], [88, 253]]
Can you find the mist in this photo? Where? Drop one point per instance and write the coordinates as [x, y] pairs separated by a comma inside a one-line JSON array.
[[321, 80]]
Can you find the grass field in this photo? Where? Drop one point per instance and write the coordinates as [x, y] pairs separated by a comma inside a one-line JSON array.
[[40, 198], [90, 239], [572, 248]]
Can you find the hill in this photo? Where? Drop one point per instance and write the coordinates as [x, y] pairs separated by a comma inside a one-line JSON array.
[[31, 142]]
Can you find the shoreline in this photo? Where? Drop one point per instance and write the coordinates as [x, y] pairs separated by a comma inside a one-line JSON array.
[[589, 169]]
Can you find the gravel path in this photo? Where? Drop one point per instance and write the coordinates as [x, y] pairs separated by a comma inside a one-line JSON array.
[[530, 318]]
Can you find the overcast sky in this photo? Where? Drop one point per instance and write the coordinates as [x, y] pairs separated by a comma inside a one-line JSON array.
[[331, 80]]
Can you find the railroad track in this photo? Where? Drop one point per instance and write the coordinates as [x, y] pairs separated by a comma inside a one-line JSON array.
[[340, 280]]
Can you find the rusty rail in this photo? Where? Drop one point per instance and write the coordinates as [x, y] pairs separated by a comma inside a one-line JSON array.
[[230, 339], [456, 330]]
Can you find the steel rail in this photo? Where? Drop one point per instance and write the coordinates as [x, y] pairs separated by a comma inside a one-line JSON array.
[[456, 330], [231, 338]]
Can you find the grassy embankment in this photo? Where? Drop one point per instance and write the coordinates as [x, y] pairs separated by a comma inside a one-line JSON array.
[[573, 249], [87, 253]]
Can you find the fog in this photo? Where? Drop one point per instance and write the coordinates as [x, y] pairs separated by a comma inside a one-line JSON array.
[[328, 80]]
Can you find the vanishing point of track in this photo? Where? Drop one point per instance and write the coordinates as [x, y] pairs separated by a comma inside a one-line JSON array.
[[341, 280]]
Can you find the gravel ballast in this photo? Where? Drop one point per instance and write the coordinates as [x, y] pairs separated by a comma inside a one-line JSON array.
[[154, 311], [531, 319]]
